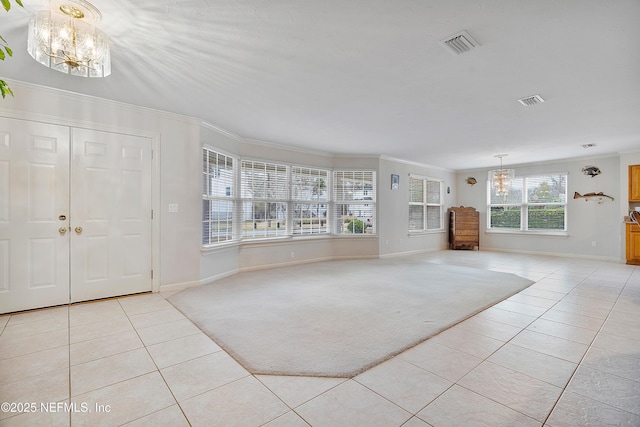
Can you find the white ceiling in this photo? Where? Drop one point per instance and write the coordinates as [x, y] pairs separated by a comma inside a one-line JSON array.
[[371, 77]]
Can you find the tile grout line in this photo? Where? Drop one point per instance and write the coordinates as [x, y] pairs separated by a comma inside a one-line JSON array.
[[564, 390], [508, 341], [69, 355], [157, 368]]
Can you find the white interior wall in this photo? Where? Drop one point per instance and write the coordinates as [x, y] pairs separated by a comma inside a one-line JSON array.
[[588, 222], [177, 146], [393, 208]]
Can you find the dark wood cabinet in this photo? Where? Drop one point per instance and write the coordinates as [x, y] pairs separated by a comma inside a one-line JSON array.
[[464, 228]]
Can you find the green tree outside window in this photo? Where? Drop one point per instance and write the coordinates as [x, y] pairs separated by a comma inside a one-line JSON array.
[[5, 50]]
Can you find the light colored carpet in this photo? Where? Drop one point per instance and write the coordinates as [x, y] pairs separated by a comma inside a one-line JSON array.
[[338, 318]]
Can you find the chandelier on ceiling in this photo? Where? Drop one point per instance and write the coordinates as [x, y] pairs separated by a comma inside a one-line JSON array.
[[65, 38], [501, 178]]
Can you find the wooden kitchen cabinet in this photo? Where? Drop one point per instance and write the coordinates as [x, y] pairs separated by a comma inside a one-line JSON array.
[[464, 228], [633, 244], [634, 183]]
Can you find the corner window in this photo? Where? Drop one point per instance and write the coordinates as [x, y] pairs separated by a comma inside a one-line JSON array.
[[354, 194], [534, 203], [244, 200], [425, 204]]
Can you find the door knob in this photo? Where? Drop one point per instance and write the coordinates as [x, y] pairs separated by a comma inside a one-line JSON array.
[[62, 230], [78, 230]]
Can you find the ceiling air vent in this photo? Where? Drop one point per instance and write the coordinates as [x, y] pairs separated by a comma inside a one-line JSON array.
[[531, 100], [460, 43]]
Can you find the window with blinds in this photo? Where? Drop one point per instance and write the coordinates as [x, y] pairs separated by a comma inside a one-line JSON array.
[[310, 196], [246, 199], [534, 203], [217, 197], [354, 195], [425, 204], [265, 197]]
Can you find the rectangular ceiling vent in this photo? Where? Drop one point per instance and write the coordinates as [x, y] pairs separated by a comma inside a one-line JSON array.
[[531, 100], [459, 43]]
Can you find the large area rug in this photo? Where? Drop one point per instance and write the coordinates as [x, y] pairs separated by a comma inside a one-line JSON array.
[[338, 318]]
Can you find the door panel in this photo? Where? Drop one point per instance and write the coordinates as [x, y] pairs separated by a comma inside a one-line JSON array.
[[111, 215], [34, 192]]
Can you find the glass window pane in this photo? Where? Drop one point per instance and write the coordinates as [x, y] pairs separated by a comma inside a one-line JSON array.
[[309, 184], [416, 217], [264, 181], [354, 185], [549, 217], [217, 221], [433, 192], [263, 219], [514, 197], [434, 221], [355, 218], [416, 190], [547, 189], [309, 218], [505, 217]]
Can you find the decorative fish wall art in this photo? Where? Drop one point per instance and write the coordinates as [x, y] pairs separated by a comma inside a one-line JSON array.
[[601, 197], [591, 171]]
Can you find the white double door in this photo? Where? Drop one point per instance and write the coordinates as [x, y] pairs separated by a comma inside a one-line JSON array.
[[75, 215]]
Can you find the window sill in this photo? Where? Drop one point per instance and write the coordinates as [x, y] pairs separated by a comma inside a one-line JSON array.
[[425, 233], [279, 240], [205, 250], [546, 233]]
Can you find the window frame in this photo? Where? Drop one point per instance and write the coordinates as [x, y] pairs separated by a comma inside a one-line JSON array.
[[425, 204], [229, 196], [319, 226], [525, 204], [364, 209], [280, 198], [287, 199]]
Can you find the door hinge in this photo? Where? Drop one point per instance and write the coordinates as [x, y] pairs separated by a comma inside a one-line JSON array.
[[151, 274], [151, 213]]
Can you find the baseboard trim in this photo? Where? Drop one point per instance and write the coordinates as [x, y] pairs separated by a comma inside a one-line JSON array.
[[210, 279], [407, 253], [555, 254], [283, 264], [173, 287]]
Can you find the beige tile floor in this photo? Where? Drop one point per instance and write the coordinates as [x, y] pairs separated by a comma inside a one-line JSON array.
[[563, 352]]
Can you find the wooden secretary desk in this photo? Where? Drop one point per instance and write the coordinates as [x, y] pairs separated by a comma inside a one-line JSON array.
[[464, 228]]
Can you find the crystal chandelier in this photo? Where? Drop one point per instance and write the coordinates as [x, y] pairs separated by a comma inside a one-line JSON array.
[[501, 178], [65, 38]]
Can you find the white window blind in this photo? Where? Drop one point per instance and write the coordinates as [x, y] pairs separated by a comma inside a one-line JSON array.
[[354, 194], [425, 204], [534, 203], [217, 197], [310, 194], [265, 196]]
